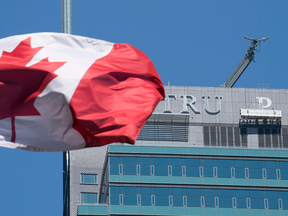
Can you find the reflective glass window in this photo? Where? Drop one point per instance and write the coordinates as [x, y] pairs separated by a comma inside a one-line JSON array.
[[129, 160], [239, 172], [273, 194], [161, 170], [161, 161], [208, 162], [209, 192], [114, 160], [241, 202], [225, 193], [145, 170], [240, 193], [239, 163], [223, 163], [208, 171], [270, 164], [114, 169], [89, 198], [257, 203], [271, 173], [177, 171], [192, 171], [129, 190], [193, 201], [283, 165], [193, 192], [284, 174], [114, 199], [273, 204], [255, 164], [145, 200], [256, 194], [285, 204], [88, 178], [146, 191], [145, 160], [224, 172], [177, 200], [130, 199], [255, 173], [161, 191], [176, 162], [192, 162], [209, 201], [177, 191], [114, 190], [129, 169], [225, 202]]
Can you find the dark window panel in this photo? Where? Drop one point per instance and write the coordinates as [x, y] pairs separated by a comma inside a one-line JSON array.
[[206, 135], [213, 136], [237, 136], [230, 136], [223, 136]]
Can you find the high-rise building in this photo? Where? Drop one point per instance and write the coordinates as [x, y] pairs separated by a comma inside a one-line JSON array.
[[204, 151]]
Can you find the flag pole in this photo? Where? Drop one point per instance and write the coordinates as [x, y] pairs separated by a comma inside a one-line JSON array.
[[66, 28]]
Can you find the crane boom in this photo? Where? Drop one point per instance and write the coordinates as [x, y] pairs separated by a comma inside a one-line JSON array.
[[244, 63]]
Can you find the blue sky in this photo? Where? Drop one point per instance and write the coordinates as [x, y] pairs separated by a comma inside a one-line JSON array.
[[191, 43]]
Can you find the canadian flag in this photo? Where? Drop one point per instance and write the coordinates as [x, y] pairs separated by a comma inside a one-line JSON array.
[[61, 92]]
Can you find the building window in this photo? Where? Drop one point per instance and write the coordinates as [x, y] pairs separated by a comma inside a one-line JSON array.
[[248, 203], [264, 173], [246, 172], [89, 198], [278, 174], [153, 200], [216, 202], [184, 200], [138, 199], [183, 170], [232, 172], [280, 204], [138, 170], [201, 171], [214, 171], [88, 178], [169, 170], [120, 169], [170, 200], [234, 203], [202, 201], [266, 203], [120, 199], [152, 170]]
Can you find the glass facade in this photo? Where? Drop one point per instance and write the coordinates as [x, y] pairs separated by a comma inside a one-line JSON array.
[[204, 151]]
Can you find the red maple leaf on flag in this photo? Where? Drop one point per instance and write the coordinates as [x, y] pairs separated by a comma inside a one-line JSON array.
[[20, 85]]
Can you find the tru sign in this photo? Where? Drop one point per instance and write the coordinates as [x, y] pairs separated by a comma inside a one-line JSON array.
[[189, 101]]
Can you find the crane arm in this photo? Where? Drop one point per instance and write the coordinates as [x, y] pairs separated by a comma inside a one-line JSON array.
[[244, 63]]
